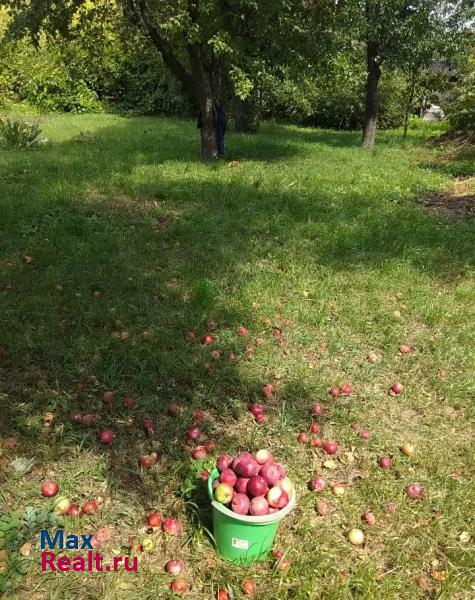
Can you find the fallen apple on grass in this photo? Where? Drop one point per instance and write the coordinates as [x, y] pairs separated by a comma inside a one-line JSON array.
[[369, 518], [249, 587], [106, 436], [316, 442], [385, 462], [175, 567], [199, 452], [396, 389], [317, 484], [171, 526], [338, 489], [208, 340], [62, 505], [408, 450], [154, 519], [89, 508], [317, 409], [335, 392], [356, 537], [415, 491], [364, 434], [283, 565], [314, 428], [302, 438], [346, 389], [108, 397], [267, 390], [73, 510], [49, 489], [222, 594], [194, 433], [330, 446], [180, 586]]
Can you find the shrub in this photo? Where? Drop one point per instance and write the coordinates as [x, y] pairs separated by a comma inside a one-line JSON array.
[[19, 134]]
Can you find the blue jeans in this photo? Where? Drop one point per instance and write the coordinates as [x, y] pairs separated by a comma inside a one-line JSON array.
[[221, 131]]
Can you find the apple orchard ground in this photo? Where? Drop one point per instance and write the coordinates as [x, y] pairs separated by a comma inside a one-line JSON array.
[[306, 227]]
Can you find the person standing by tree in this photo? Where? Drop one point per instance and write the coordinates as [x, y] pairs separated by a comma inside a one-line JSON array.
[[221, 121]]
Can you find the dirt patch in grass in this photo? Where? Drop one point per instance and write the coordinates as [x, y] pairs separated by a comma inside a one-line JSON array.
[[456, 202]]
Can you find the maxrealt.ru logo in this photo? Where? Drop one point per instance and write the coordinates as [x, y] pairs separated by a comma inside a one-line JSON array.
[[91, 561]]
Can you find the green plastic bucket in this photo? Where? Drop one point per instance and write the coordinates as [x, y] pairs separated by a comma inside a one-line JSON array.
[[244, 539]]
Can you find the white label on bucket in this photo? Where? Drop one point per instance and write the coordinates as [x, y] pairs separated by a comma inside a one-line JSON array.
[[241, 544]]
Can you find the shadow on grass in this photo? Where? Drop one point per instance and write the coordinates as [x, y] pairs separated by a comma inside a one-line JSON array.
[[131, 211]]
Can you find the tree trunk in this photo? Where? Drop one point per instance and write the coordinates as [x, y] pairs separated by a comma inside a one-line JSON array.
[[204, 93], [371, 106], [245, 115], [409, 102]]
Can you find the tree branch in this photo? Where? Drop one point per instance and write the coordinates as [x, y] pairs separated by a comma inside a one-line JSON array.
[[139, 8]]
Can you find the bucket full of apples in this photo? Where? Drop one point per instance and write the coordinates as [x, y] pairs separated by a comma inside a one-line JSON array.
[[250, 495]]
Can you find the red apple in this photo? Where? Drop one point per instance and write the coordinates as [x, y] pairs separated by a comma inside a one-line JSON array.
[[240, 504], [259, 506], [207, 340], [209, 445], [316, 442], [204, 475], [364, 434], [106, 436], [199, 452], [261, 417], [154, 519], [173, 409], [330, 447], [246, 467], [147, 462], [241, 485], [198, 416], [335, 391], [346, 389], [174, 567], [271, 473], [222, 594], [155, 455], [243, 331], [73, 510], [415, 490], [396, 389], [193, 433], [372, 357], [88, 419], [317, 409], [49, 489], [171, 526], [223, 462], [147, 424], [129, 401], [267, 390], [314, 428], [228, 476], [302, 438], [405, 349], [249, 587], [356, 426], [256, 409], [369, 518], [108, 397], [385, 462], [317, 484], [257, 486], [180, 586], [277, 497], [89, 508]]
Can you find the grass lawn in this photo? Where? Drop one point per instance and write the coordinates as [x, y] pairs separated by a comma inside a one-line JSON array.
[[305, 232]]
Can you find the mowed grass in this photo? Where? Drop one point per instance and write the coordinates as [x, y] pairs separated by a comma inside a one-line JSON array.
[[306, 232]]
